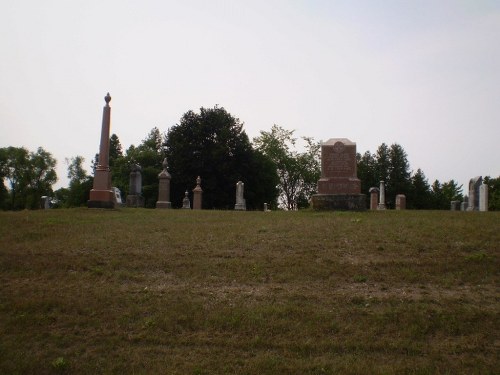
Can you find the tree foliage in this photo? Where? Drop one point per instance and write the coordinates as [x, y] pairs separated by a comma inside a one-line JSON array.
[[29, 176], [493, 192], [298, 172], [80, 184], [213, 145]]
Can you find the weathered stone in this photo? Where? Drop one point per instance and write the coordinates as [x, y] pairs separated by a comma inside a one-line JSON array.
[[373, 198], [164, 187], [240, 200], [483, 197], [381, 203], [400, 202], [474, 185], [197, 195], [465, 204], [186, 203], [339, 185], [101, 195], [134, 197], [455, 205]]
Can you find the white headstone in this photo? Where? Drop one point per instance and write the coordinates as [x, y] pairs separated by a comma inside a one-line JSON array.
[[483, 197], [381, 203]]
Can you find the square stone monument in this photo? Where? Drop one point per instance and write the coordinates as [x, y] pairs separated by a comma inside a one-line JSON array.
[[339, 188], [134, 197]]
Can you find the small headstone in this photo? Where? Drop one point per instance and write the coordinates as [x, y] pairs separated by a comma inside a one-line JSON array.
[[455, 206], [373, 197], [483, 197], [240, 200], [197, 195], [186, 203], [381, 203], [164, 187], [400, 202], [265, 207], [465, 204]]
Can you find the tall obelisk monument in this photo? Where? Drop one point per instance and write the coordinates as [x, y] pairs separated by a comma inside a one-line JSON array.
[[101, 195]]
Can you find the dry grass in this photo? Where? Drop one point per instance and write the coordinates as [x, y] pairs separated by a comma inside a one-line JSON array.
[[209, 292]]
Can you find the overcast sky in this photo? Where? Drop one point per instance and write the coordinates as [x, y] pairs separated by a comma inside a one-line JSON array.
[[421, 73]]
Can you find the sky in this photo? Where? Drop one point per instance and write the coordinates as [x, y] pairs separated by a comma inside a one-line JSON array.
[[421, 73]]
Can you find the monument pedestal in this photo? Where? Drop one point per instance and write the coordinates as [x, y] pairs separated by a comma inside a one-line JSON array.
[[135, 201], [339, 202], [160, 204]]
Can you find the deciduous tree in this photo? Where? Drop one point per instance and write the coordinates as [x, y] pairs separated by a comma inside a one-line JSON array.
[[298, 172]]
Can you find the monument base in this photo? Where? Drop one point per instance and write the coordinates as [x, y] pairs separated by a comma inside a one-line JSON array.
[[240, 207], [101, 199], [135, 201], [163, 204], [339, 202], [100, 204]]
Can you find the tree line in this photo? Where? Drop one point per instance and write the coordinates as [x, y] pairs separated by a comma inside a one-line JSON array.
[[212, 144]]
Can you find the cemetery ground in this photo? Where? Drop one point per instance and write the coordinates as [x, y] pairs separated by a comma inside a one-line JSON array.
[[136, 291]]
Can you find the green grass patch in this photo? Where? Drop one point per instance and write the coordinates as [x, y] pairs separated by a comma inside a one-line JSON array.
[[220, 292]]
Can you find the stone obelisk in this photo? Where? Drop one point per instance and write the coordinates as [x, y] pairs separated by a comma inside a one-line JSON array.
[[101, 195]]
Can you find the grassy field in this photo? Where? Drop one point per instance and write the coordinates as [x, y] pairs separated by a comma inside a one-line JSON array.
[[136, 291]]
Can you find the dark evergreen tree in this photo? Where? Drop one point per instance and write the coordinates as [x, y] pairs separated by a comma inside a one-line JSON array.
[[213, 145], [420, 192], [399, 180]]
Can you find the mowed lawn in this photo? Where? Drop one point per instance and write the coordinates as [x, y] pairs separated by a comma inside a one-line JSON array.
[[136, 291]]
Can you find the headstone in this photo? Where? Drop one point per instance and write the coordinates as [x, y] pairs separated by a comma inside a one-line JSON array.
[[339, 188], [381, 203], [186, 203], [101, 195], [197, 195], [465, 204], [134, 197], [400, 202], [164, 187], [483, 197], [265, 207], [118, 196], [455, 206], [45, 202], [474, 185], [373, 198], [240, 200]]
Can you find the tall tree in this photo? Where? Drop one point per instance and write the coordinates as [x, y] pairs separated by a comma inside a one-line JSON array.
[[80, 183], [399, 179], [367, 172], [298, 172], [149, 155], [420, 192], [29, 176], [213, 145]]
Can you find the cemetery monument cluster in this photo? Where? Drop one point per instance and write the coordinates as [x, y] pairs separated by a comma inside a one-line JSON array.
[[477, 200], [339, 188]]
